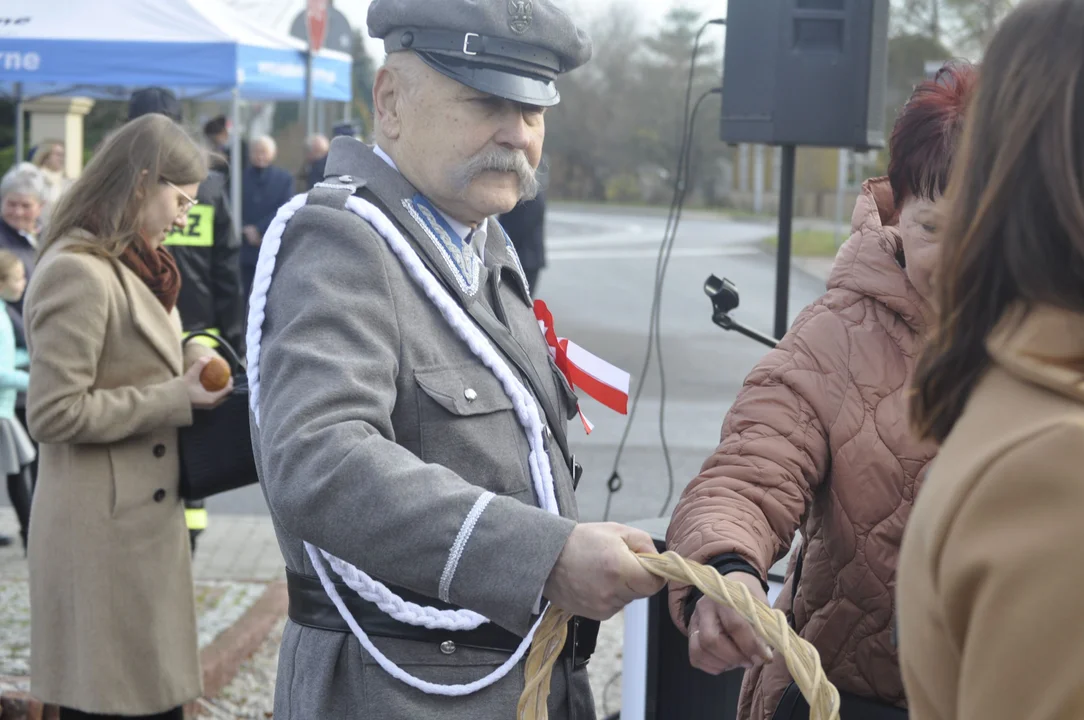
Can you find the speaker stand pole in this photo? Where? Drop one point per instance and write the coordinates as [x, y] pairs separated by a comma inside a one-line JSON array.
[[783, 251], [20, 125], [310, 110]]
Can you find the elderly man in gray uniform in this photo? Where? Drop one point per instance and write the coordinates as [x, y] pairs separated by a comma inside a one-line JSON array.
[[408, 419]]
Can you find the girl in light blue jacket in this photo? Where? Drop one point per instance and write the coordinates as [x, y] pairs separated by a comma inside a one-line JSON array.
[[16, 449]]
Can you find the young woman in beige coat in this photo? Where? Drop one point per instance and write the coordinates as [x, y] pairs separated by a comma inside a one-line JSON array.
[[113, 622], [991, 580]]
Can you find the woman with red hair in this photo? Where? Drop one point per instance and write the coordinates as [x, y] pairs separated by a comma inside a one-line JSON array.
[[818, 440]]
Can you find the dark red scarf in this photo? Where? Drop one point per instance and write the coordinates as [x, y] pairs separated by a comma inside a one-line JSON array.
[[157, 269]]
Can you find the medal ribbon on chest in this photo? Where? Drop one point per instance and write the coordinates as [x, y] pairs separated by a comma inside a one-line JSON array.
[[599, 379]]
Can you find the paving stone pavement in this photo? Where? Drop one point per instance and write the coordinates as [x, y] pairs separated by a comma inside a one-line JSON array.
[[235, 559], [238, 548], [221, 598], [12, 562]]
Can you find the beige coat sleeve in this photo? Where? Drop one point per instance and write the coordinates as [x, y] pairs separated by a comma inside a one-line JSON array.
[[66, 320], [193, 351], [1012, 582]]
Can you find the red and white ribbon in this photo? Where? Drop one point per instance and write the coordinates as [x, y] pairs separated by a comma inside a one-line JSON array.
[[596, 377]]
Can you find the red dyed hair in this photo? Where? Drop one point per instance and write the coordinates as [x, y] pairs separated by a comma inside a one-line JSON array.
[[924, 138]]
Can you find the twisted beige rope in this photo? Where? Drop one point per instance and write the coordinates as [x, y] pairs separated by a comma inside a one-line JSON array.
[[802, 659]]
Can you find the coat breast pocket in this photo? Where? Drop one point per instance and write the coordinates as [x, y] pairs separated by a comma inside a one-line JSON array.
[[467, 424]]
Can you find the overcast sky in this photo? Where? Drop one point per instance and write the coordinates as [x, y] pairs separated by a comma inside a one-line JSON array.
[[652, 11]]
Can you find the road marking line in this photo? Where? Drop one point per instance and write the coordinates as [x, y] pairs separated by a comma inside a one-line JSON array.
[[648, 253], [586, 242]]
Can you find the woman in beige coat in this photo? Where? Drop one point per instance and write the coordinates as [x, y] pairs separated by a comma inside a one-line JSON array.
[[113, 622], [990, 577]]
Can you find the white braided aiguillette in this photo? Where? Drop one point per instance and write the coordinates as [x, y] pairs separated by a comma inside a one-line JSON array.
[[526, 412]]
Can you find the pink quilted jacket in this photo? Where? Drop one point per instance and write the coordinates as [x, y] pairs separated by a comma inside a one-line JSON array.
[[818, 440]]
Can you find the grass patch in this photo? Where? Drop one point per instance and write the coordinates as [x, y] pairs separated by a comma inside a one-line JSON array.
[[749, 215], [809, 243]]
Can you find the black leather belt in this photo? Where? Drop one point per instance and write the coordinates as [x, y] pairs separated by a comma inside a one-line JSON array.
[[311, 607]]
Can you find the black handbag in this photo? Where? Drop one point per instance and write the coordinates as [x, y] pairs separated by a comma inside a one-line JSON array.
[[216, 450], [792, 706]]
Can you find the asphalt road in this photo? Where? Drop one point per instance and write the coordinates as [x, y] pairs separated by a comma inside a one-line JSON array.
[[599, 285]]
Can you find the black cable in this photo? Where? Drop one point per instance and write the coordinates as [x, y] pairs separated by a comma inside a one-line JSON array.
[[606, 695], [658, 314], [615, 482], [663, 262]]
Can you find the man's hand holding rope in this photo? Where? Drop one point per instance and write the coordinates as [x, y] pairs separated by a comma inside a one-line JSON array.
[[598, 573]]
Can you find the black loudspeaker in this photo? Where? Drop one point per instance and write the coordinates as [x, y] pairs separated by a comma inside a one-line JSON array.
[[806, 72]]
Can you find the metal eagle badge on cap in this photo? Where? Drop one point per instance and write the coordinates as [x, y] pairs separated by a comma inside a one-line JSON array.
[[458, 254], [522, 12]]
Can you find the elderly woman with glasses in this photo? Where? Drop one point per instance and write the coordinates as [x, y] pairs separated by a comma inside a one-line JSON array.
[[22, 195], [23, 191]]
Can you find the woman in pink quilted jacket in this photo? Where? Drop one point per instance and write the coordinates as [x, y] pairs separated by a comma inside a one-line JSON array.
[[818, 440]]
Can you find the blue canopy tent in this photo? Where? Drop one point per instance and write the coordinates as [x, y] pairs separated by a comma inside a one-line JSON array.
[[199, 48]]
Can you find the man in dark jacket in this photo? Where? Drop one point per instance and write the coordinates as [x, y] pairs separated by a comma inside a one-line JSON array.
[[207, 254], [264, 189], [216, 132], [213, 301], [526, 226], [316, 149]]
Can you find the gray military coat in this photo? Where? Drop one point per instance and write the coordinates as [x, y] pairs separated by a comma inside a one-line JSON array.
[[379, 430]]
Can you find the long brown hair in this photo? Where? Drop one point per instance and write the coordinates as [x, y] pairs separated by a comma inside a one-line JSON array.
[[1014, 230], [107, 200]]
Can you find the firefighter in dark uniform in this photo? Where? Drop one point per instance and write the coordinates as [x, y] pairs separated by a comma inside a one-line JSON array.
[[207, 252], [526, 226]]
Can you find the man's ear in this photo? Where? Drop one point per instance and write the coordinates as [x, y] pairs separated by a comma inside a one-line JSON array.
[[387, 91]]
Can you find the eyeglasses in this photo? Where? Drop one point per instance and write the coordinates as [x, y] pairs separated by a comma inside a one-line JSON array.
[[189, 203]]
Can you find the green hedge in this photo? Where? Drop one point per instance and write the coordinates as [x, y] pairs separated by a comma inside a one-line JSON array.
[[7, 158]]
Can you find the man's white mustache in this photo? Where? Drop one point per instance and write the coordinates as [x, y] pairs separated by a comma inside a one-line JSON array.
[[512, 161]]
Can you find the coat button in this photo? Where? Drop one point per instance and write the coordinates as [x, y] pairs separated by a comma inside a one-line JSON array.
[[471, 394], [547, 436], [447, 647], [159, 450], [346, 179], [159, 495]]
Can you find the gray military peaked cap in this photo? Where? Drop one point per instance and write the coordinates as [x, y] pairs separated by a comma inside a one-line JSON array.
[[513, 49]]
